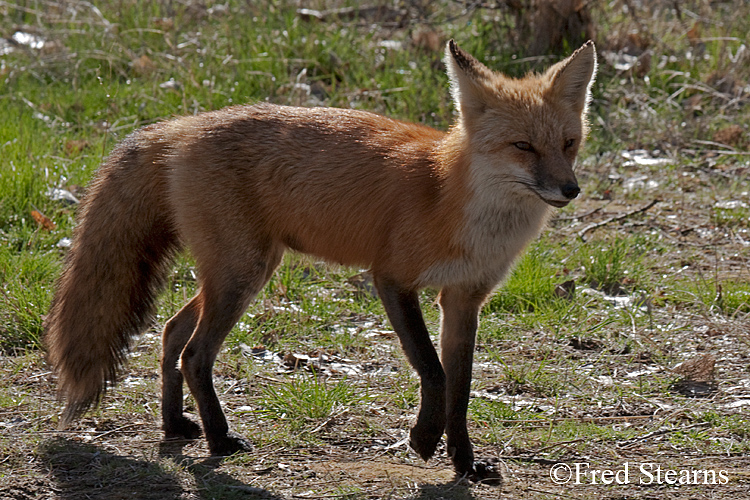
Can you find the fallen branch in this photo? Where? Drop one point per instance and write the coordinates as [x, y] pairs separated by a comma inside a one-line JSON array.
[[113, 431], [581, 216], [660, 432], [597, 225]]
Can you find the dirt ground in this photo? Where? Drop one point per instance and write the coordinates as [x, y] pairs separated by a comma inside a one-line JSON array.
[[117, 455]]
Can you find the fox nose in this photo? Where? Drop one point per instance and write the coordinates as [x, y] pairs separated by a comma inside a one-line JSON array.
[[570, 190]]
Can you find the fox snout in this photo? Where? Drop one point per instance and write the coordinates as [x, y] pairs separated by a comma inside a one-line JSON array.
[[570, 190], [559, 194]]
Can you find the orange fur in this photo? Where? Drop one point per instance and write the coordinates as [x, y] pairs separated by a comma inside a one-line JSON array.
[[239, 186]]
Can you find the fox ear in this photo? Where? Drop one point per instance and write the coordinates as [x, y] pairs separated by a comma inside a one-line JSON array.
[[573, 77], [468, 78]]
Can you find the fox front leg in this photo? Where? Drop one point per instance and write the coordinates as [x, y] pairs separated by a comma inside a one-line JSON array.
[[402, 307], [459, 320]]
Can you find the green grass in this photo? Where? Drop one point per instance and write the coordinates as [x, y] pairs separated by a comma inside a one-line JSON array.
[[531, 285], [615, 266], [725, 296], [26, 286], [733, 214], [307, 402]]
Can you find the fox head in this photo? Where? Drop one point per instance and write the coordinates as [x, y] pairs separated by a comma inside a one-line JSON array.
[[525, 132]]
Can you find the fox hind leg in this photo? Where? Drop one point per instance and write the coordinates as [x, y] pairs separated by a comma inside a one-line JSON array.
[[223, 299], [177, 332]]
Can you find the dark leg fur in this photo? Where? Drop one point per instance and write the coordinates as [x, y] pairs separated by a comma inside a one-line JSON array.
[[177, 332], [402, 307], [221, 303], [460, 311], [219, 313]]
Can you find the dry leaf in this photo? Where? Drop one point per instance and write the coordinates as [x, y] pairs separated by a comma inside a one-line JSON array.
[[164, 23], [566, 290], [730, 135], [694, 389], [553, 21], [694, 34], [143, 66], [427, 40], [363, 284], [723, 82], [75, 146], [42, 220], [375, 13], [643, 66], [699, 368]]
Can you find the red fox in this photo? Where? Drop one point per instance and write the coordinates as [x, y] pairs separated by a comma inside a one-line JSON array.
[[239, 186]]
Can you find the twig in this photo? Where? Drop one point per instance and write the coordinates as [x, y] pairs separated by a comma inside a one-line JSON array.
[[546, 422], [546, 492], [98, 436], [253, 490], [581, 216], [561, 443], [727, 148], [661, 432], [269, 379], [333, 495], [597, 225], [481, 5], [678, 241], [532, 459], [717, 151], [328, 420]]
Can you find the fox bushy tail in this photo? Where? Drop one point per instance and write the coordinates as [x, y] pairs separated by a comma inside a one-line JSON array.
[[122, 248]]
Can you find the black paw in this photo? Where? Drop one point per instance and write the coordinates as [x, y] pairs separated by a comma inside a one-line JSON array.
[[424, 441], [229, 444], [484, 473], [182, 428]]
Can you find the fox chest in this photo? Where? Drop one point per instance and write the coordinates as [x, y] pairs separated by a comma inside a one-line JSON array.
[[491, 239]]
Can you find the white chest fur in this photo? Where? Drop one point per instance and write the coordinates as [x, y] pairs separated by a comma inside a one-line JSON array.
[[499, 221]]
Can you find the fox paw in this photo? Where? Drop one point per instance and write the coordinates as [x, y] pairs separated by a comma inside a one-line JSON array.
[[229, 444], [182, 428], [424, 441], [484, 473]]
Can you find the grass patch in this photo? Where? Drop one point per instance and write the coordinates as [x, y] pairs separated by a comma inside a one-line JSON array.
[[613, 266], [308, 401], [531, 285], [26, 281], [498, 414], [732, 214], [727, 297], [531, 378]]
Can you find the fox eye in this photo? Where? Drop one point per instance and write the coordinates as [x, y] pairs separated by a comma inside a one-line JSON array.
[[570, 143], [523, 146]]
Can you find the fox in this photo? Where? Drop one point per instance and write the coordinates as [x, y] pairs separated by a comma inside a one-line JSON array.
[[238, 187]]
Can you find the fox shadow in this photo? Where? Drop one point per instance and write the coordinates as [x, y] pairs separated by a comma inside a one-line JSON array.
[[443, 491], [86, 471]]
